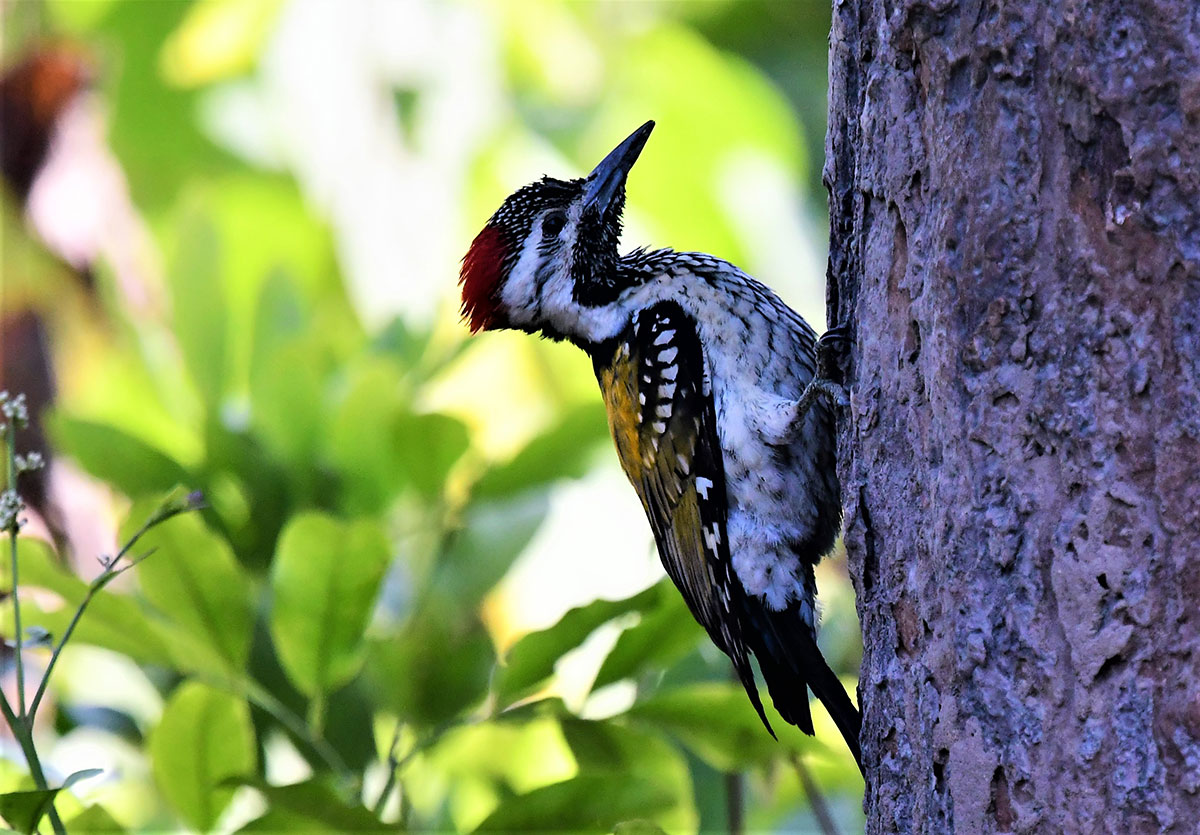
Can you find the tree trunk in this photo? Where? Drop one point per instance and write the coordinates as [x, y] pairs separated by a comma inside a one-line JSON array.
[[1015, 201]]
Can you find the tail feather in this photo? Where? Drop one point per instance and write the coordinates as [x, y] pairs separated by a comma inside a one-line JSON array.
[[746, 673], [792, 664]]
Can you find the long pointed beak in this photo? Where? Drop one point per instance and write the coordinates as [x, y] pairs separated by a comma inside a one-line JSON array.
[[607, 178]]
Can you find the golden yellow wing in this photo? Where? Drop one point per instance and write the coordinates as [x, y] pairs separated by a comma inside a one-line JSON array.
[[664, 424]]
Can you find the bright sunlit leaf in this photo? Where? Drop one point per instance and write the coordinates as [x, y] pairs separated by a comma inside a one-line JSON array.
[[193, 580], [203, 738], [324, 582], [532, 659]]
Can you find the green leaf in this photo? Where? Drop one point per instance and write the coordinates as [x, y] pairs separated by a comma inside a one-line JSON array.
[[94, 819], [478, 554], [427, 446], [203, 738], [325, 579], [531, 660], [717, 722], [741, 117], [563, 452], [288, 369], [311, 806], [379, 445], [127, 463], [583, 804], [144, 109], [410, 675], [24, 809], [194, 581], [198, 300], [250, 492], [602, 794], [665, 634], [360, 439], [638, 827]]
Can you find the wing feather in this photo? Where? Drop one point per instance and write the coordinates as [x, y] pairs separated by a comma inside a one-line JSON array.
[[664, 423]]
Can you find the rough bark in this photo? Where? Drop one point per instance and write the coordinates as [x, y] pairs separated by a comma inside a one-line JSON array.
[[1015, 206]]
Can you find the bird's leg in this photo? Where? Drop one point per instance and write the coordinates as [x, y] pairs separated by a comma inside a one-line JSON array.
[[779, 419], [834, 394], [829, 347]]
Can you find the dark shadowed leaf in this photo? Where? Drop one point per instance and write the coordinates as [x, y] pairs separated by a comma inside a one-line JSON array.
[[131, 465], [23, 810], [433, 669], [666, 633], [531, 660], [311, 806]]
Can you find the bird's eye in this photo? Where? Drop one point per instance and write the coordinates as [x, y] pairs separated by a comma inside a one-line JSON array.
[[553, 224]]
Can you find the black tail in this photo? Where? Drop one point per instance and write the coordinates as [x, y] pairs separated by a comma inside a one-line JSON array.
[[792, 664]]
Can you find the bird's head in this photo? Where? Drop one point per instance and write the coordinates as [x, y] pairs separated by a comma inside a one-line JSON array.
[[547, 259]]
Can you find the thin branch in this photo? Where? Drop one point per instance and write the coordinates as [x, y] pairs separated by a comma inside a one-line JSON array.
[[15, 524], [254, 692], [393, 766], [735, 802], [94, 588], [816, 800]]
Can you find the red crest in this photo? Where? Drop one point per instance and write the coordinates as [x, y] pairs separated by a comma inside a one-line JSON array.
[[482, 269]]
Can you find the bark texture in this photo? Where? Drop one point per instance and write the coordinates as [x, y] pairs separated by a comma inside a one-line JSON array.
[[1015, 201]]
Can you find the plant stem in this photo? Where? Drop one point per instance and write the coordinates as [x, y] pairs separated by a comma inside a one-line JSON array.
[[93, 589], [735, 801], [110, 572], [22, 732], [256, 693], [18, 638], [18, 722], [393, 766], [816, 801], [316, 714]]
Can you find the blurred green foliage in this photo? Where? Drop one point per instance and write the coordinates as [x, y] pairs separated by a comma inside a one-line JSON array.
[[317, 637]]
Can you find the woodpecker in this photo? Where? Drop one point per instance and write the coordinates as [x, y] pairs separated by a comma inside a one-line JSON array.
[[720, 418]]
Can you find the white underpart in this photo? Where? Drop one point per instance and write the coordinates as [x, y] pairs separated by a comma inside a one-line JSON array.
[[774, 416]]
